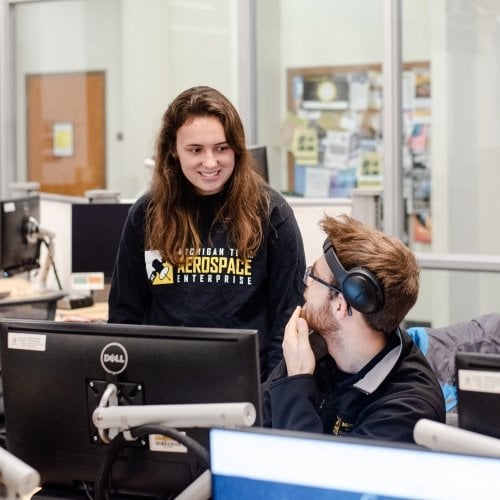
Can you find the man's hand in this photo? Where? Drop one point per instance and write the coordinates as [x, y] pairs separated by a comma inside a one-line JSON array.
[[299, 356]]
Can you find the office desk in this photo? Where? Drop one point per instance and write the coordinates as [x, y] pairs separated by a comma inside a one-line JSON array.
[[24, 300], [96, 312]]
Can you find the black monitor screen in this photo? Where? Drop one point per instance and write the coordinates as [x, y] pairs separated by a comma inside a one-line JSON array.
[[95, 236], [54, 375], [259, 154], [19, 253]]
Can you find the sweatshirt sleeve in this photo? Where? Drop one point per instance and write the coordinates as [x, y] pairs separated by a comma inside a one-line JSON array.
[[129, 293], [285, 270]]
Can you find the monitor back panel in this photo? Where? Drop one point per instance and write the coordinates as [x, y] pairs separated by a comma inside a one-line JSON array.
[[95, 236], [478, 392], [259, 154], [53, 380]]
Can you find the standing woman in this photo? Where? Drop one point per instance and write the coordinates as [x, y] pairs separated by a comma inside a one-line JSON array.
[[210, 244]]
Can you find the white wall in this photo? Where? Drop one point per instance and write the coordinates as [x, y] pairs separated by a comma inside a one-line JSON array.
[[55, 215], [148, 54], [308, 213]]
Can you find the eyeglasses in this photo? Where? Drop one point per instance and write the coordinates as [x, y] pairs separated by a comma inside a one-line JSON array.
[[308, 274]]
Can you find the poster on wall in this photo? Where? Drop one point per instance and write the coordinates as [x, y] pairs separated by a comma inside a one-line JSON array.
[[305, 145], [62, 139]]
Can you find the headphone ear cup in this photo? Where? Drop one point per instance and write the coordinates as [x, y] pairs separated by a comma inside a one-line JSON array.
[[362, 291]]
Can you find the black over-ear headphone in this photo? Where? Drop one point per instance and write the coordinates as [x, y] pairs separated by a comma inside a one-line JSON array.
[[359, 286]]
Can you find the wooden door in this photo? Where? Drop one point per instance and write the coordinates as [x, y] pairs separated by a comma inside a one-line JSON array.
[[66, 132]]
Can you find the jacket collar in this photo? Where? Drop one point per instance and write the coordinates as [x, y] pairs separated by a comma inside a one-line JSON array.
[[378, 373]]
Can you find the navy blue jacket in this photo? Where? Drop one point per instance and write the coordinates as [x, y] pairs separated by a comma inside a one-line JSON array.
[[383, 401]]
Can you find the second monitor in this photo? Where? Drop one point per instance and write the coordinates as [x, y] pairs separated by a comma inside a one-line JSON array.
[[19, 246], [96, 229], [259, 154]]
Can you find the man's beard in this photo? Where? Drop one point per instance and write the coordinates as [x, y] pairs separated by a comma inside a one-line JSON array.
[[321, 319]]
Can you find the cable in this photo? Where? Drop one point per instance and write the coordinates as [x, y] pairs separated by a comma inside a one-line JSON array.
[[49, 256], [103, 478], [87, 491], [56, 275]]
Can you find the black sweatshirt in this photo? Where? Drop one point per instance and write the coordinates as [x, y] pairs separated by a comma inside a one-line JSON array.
[[214, 288]]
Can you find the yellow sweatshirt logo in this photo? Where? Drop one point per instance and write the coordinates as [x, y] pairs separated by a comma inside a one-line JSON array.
[[209, 266]]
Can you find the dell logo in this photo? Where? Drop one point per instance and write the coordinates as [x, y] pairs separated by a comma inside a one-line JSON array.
[[114, 358]]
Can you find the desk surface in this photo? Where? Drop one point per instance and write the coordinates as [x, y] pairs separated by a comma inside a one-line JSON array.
[[97, 312], [20, 289]]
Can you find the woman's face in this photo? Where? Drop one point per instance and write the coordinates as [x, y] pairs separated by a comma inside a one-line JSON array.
[[205, 157]]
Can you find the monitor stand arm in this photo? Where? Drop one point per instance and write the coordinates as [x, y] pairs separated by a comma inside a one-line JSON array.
[[111, 419], [36, 233]]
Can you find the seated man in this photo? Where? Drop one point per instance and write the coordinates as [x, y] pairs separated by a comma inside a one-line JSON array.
[[348, 368]]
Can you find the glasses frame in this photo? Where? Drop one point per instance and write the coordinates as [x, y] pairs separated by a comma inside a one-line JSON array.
[[309, 274]]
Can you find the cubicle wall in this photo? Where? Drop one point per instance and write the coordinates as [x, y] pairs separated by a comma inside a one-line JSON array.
[[55, 215]]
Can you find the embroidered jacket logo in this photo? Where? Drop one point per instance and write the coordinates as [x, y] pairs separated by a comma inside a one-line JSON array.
[[341, 426]]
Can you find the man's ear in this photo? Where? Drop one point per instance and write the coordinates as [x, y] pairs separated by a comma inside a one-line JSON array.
[[341, 307]]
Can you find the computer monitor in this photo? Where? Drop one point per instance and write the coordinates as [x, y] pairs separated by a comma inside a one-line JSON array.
[[259, 154], [258, 463], [478, 392], [19, 244], [96, 229], [54, 375]]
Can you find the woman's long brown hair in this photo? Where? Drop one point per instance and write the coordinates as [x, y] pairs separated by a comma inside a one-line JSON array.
[[173, 215]]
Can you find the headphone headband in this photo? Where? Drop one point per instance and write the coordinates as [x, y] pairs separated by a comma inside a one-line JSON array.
[[360, 287]]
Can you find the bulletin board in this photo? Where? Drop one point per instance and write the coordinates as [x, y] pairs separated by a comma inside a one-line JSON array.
[[333, 128]]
